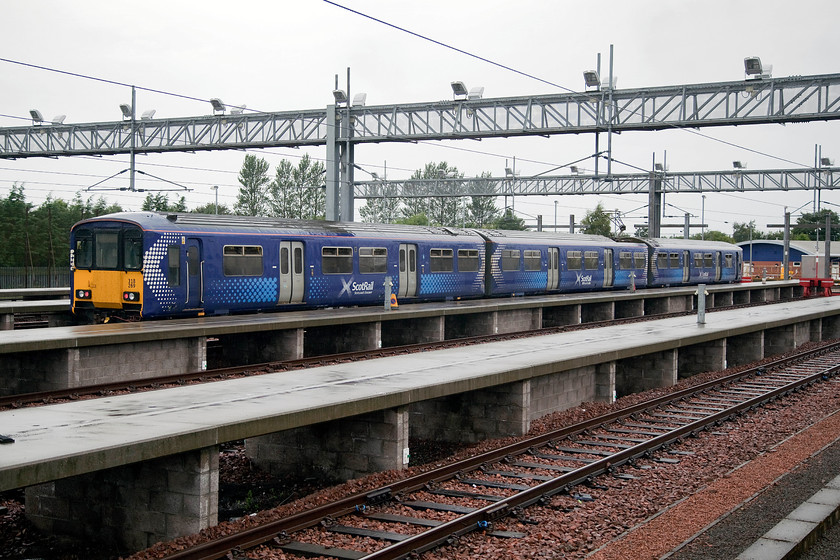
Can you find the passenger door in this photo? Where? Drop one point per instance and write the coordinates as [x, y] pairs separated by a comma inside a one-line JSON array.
[[195, 275], [609, 271], [553, 268], [291, 272], [408, 270], [686, 264], [717, 266]]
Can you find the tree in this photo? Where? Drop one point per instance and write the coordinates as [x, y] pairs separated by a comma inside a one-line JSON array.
[[298, 192], [597, 222], [210, 208], [713, 235], [510, 222], [384, 210], [251, 200], [745, 232], [482, 211], [817, 218], [160, 203]]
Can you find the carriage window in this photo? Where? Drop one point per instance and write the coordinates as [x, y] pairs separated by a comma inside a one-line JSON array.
[[707, 260], [662, 260], [83, 253], [173, 271], [284, 261], [192, 261], [133, 250], [107, 249], [298, 260], [243, 260], [574, 260], [698, 260], [727, 259], [373, 260], [533, 260], [625, 260], [675, 260], [639, 258], [467, 260], [337, 260], [441, 260], [510, 260], [590, 260]]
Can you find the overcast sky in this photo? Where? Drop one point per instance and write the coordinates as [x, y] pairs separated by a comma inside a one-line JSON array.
[[284, 55]]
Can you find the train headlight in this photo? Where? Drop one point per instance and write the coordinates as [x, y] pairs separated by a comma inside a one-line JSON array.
[[83, 294], [131, 296]]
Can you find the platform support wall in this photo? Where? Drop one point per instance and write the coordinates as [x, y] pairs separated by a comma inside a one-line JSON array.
[[651, 371], [473, 324], [412, 331], [518, 320], [561, 315], [657, 306], [257, 347], [830, 327], [700, 358], [595, 312], [340, 450], [627, 308], [7, 321], [722, 299], [745, 348], [495, 412], [133, 506], [339, 338], [779, 340], [88, 365]]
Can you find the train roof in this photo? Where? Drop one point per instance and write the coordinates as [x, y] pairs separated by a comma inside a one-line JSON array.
[[191, 222], [674, 243]]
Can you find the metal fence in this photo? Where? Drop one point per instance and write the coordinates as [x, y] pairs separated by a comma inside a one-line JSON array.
[[33, 277]]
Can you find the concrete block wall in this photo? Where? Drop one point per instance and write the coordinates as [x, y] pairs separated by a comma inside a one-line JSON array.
[[257, 347], [335, 339], [629, 308], [745, 348], [412, 331], [87, 365], [474, 416], [634, 375], [567, 389], [518, 320], [561, 315], [134, 506], [721, 299], [594, 312], [474, 324], [344, 449], [779, 340], [700, 358]]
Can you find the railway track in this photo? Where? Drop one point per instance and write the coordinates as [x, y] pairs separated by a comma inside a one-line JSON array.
[[215, 374], [436, 507]]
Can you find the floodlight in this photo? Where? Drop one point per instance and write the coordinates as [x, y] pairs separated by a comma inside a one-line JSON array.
[[459, 89], [573, 169], [218, 105], [658, 167], [147, 115], [476, 93], [825, 162], [738, 165], [359, 99], [237, 110], [340, 96], [508, 172], [58, 119], [126, 110], [591, 78], [752, 65]]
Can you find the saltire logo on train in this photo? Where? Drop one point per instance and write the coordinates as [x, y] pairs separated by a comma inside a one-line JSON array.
[[582, 280], [353, 288]]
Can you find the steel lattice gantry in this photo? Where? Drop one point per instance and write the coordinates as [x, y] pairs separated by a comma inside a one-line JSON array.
[[754, 101]]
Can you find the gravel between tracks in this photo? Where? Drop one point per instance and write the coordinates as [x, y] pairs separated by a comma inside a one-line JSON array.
[[647, 517]]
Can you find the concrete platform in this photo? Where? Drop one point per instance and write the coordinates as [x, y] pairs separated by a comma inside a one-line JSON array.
[[74, 438], [50, 307]]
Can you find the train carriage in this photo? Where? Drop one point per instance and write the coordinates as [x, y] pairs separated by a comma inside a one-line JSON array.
[[679, 262], [523, 262], [165, 265]]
